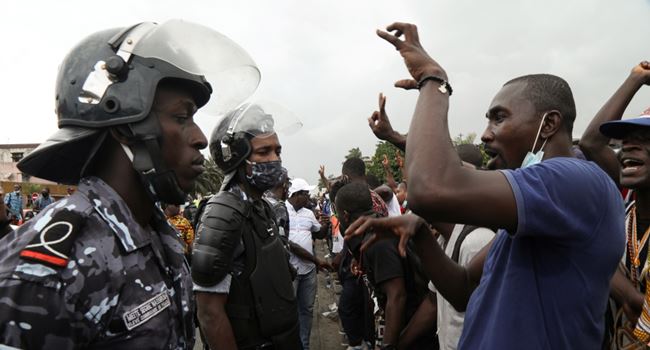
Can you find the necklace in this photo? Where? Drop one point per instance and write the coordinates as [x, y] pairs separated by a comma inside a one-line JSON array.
[[634, 247]]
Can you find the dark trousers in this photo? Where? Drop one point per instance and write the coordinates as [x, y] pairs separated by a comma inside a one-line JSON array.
[[351, 310]]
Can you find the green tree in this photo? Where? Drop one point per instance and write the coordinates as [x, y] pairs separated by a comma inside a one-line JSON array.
[[374, 165], [469, 139], [210, 181], [464, 139], [354, 153]]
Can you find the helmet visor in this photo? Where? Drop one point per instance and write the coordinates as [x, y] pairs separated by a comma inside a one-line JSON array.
[[200, 50], [263, 118]]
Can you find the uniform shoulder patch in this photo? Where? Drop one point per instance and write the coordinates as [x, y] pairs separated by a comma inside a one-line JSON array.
[[52, 245]]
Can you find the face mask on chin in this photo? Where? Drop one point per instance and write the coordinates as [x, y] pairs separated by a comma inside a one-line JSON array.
[[535, 158], [265, 175]]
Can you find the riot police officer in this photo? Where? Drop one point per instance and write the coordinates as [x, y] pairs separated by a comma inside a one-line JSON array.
[[101, 268], [240, 268]]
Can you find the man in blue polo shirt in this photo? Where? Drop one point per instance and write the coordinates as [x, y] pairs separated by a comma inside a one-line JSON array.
[[544, 282]]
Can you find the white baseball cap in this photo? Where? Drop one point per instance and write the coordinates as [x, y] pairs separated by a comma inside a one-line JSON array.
[[298, 184]]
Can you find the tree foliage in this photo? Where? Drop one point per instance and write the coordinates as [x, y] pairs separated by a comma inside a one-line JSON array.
[[354, 153], [210, 181], [464, 139], [374, 164]]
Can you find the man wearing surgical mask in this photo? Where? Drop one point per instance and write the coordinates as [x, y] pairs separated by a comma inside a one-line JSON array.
[[240, 268], [545, 281]]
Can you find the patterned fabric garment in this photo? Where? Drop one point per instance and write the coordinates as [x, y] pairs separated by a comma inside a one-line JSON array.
[[84, 274], [378, 204], [184, 228]]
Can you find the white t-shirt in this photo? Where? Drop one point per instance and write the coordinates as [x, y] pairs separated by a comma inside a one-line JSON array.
[[450, 321], [393, 206], [301, 224], [337, 238]]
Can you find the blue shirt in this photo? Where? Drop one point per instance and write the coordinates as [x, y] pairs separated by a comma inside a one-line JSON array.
[[546, 285]]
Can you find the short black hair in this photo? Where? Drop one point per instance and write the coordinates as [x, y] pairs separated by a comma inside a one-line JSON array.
[[354, 198], [334, 190], [471, 154], [547, 92], [373, 181], [354, 167]]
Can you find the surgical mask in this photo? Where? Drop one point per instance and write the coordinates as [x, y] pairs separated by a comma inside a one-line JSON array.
[[535, 158], [265, 175]]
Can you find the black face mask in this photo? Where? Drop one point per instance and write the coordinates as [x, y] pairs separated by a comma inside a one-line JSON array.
[[45, 194], [265, 175]]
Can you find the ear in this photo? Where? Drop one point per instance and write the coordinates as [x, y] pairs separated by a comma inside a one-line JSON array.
[[120, 135], [346, 217], [552, 124]]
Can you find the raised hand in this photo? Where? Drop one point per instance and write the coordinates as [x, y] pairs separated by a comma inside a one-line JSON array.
[[405, 227], [399, 160], [379, 122], [642, 71], [321, 171], [417, 60], [385, 162]]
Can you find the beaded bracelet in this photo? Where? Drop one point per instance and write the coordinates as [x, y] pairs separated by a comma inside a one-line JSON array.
[[444, 85]]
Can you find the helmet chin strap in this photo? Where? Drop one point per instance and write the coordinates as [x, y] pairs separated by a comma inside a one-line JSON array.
[[145, 156]]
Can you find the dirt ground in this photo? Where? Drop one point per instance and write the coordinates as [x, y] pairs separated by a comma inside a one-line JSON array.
[[325, 329]]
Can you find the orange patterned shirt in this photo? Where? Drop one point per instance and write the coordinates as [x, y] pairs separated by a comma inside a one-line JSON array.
[[184, 228]]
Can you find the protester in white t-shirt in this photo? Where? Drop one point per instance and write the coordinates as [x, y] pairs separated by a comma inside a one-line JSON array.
[[303, 228]]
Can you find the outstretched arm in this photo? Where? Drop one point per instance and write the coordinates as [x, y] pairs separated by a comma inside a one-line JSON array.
[[381, 127], [453, 281], [596, 145]]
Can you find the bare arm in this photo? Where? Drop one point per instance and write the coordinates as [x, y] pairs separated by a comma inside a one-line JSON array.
[[381, 127], [214, 321], [402, 168], [390, 180], [422, 322], [626, 295], [440, 188], [394, 311], [596, 145], [321, 173], [453, 281], [303, 254]]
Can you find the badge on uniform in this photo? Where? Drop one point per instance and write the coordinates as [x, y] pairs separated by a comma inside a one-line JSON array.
[[145, 311], [52, 244]]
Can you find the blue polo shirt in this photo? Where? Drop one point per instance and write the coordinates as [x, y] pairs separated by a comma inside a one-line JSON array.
[[546, 285]]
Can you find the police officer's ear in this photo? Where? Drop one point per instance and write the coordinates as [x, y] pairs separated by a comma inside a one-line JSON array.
[[121, 134]]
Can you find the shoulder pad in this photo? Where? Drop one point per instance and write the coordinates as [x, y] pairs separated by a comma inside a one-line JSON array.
[[52, 245], [231, 200], [217, 237]]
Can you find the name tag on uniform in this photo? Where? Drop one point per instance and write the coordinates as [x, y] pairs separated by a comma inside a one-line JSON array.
[[145, 311]]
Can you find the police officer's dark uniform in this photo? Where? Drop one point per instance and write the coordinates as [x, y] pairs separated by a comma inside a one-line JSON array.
[[238, 251], [83, 273]]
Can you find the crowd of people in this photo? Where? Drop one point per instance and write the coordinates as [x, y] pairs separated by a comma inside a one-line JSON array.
[[544, 246]]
